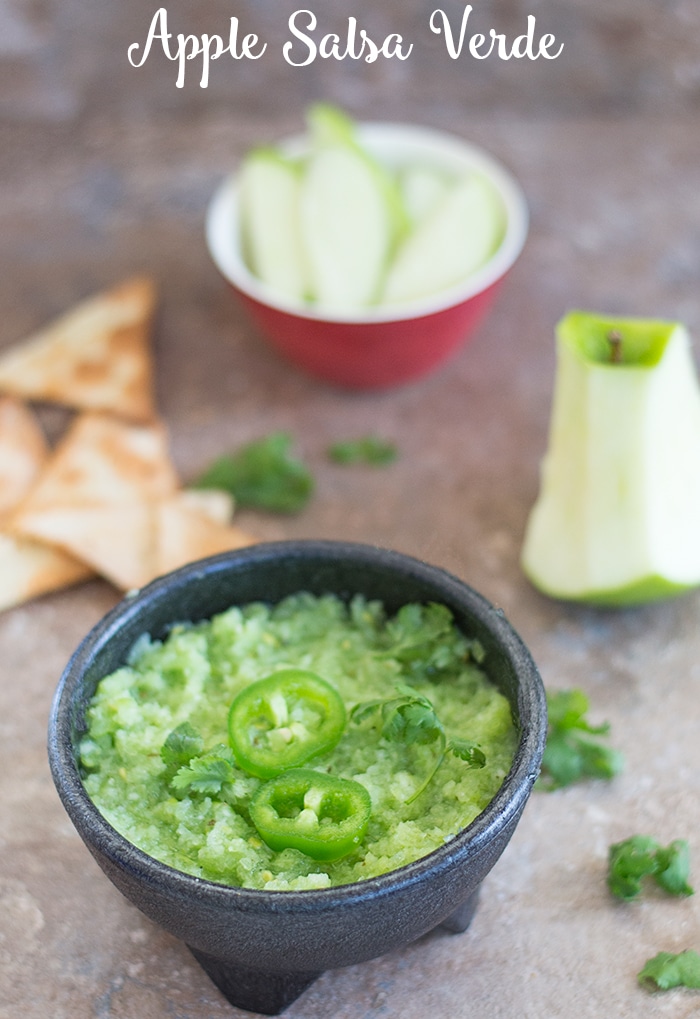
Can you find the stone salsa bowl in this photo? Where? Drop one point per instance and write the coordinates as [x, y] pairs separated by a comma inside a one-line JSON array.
[[263, 948]]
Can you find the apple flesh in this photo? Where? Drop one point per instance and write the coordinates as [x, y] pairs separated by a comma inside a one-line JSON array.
[[421, 188], [338, 229], [456, 237], [346, 226], [270, 187], [617, 519], [350, 213]]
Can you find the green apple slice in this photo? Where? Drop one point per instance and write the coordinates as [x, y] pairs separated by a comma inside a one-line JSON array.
[[352, 211], [347, 227], [421, 189], [460, 234], [617, 518], [270, 188], [329, 125]]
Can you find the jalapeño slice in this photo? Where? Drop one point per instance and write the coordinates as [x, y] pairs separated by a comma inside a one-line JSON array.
[[320, 815], [284, 720]]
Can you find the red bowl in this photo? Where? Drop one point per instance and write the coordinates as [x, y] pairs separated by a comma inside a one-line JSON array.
[[384, 345]]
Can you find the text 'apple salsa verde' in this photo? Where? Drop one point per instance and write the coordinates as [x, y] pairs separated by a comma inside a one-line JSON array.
[[308, 744]]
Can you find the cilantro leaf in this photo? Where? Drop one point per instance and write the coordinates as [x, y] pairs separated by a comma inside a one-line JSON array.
[[467, 751], [368, 450], [425, 641], [567, 709], [674, 868], [572, 751], [412, 721], [641, 856], [183, 743], [407, 718], [598, 760], [410, 718], [415, 628], [628, 862], [667, 970], [366, 711], [262, 475], [206, 774]]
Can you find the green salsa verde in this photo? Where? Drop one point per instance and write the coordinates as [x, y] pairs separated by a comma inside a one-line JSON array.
[[302, 745]]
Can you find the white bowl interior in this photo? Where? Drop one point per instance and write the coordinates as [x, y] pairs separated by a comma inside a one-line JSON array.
[[395, 145]]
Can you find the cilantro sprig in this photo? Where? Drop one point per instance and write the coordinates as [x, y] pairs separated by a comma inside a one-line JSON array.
[[182, 744], [423, 637], [189, 769], [206, 774], [409, 718], [641, 856], [369, 449], [668, 969], [574, 749], [263, 475]]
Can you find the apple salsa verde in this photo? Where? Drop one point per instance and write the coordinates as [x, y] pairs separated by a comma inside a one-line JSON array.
[[301, 745]]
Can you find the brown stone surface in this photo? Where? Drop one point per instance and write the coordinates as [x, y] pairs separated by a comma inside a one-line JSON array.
[[106, 170]]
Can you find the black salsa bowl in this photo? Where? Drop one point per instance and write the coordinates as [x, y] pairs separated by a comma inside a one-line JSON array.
[[263, 948]]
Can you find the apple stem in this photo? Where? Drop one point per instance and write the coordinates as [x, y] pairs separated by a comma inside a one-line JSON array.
[[615, 341]]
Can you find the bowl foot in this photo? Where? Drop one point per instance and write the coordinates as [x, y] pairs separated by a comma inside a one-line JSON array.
[[460, 919], [271, 993], [253, 990]]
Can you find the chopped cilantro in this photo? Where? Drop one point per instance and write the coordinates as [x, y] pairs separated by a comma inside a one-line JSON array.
[[467, 751], [368, 450], [410, 718], [206, 774], [674, 868], [423, 638], [573, 750], [262, 475], [668, 970], [183, 743], [642, 856]]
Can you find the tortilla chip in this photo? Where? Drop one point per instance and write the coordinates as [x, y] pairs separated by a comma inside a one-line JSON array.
[[95, 357], [23, 452], [101, 463], [185, 534], [211, 502], [116, 541], [131, 545], [28, 569]]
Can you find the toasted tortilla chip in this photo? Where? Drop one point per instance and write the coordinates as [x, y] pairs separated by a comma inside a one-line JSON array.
[[94, 498], [210, 502], [185, 534], [100, 463], [23, 452], [95, 357], [117, 541], [132, 541], [28, 569]]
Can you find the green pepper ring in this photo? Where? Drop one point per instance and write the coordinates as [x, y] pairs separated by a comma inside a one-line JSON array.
[[265, 707], [320, 815]]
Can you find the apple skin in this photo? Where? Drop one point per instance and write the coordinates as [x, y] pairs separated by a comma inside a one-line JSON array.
[[642, 592], [617, 519]]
